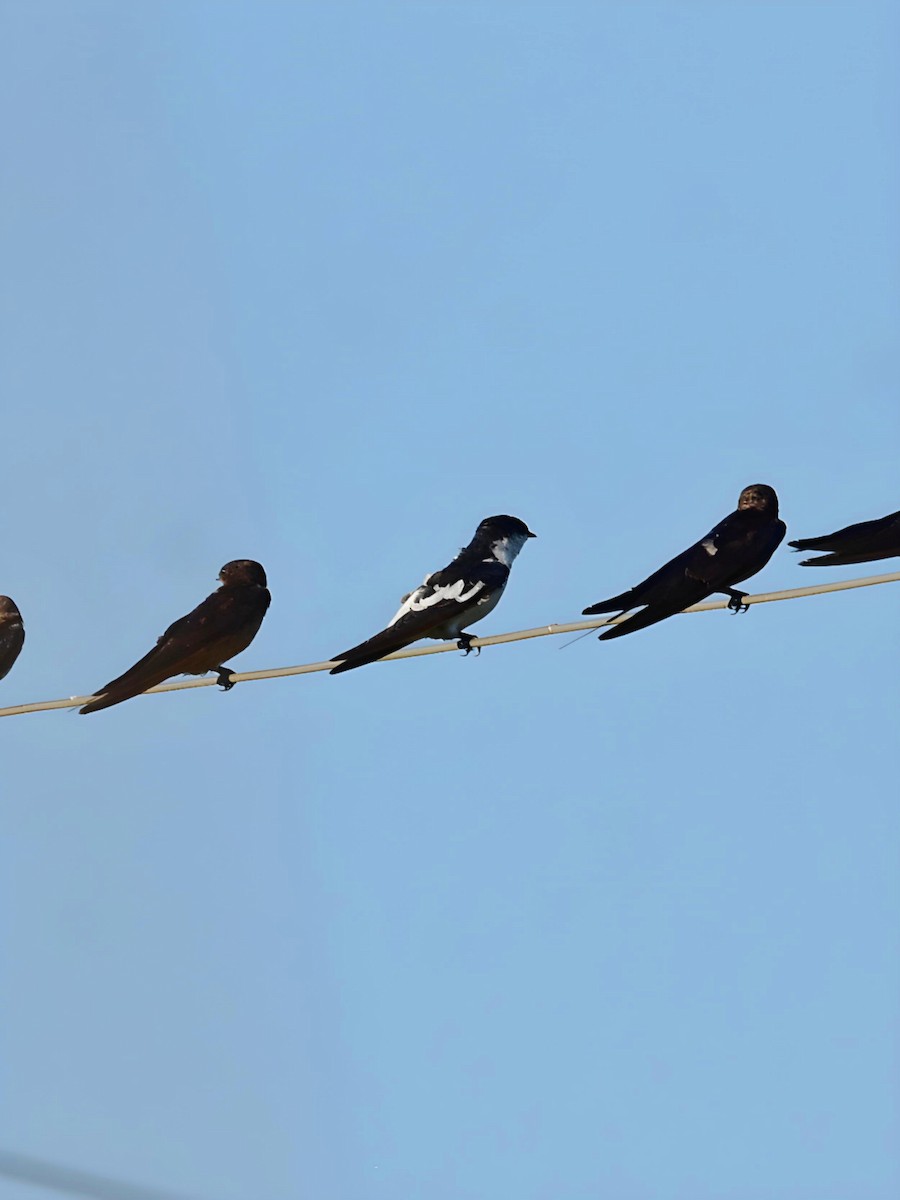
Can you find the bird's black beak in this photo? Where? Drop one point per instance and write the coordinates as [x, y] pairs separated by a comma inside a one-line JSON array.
[[530, 534]]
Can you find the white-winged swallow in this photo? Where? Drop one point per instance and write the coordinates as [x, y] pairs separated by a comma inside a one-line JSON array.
[[452, 599]]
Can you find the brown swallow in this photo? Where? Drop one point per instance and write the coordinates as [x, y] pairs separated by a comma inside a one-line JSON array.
[[731, 552], [12, 635], [866, 542], [222, 626]]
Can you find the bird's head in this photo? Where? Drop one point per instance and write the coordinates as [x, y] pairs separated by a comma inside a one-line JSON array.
[[761, 497], [502, 537], [9, 613], [242, 571]]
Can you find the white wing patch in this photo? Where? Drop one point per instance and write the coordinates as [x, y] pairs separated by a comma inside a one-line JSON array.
[[425, 597], [710, 546]]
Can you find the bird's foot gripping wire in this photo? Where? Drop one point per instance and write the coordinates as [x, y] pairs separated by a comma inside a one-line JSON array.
[[224, 680], [465, 644], [736, 603]]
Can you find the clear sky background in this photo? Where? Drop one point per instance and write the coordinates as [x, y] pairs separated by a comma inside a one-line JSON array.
[[323, 285]]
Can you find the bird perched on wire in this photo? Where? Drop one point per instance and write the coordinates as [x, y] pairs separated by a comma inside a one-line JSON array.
[[731, 552], [12, 635], [222, 626], [452, 599], [866, 542]]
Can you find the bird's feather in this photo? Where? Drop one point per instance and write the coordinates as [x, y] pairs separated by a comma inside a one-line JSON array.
[[867, 541], [223, 625], [449, 600], [12, 639], [736, 548]]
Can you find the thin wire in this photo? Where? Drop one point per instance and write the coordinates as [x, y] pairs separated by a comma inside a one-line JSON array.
[[496, 639]]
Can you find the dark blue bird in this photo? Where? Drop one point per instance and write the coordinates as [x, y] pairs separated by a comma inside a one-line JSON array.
[[731, 552]]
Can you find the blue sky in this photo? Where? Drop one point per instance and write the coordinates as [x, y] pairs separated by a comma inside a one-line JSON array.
[[323, 285]]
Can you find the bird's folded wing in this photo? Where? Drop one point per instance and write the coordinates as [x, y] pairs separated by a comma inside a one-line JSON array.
[[157, 664], [425, 609], [664, 587], [735, 549], [674, 585], [12, 639], [666, 584], [212, 622], [439, 600], [432, 602]]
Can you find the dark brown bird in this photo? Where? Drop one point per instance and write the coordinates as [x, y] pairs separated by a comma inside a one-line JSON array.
[[12, 635], [222, 626], [734, 550], [866, 542]]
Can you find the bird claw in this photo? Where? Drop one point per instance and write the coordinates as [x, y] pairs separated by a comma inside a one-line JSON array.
[[465, 644], [736, 603], [223, 679]]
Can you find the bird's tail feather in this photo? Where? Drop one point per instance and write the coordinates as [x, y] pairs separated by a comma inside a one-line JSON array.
[[102, 701], [132, 683], [617, 604], [816, 543], [841, 560], [369, 651], [639, 620]]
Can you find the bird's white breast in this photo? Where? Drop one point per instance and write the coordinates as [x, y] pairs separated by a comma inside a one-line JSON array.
[[505, 549]]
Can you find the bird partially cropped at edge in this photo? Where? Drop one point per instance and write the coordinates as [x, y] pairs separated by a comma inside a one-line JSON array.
[[12, 635], [866, 542], [731, 552], [222, 626], [450, 600]]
